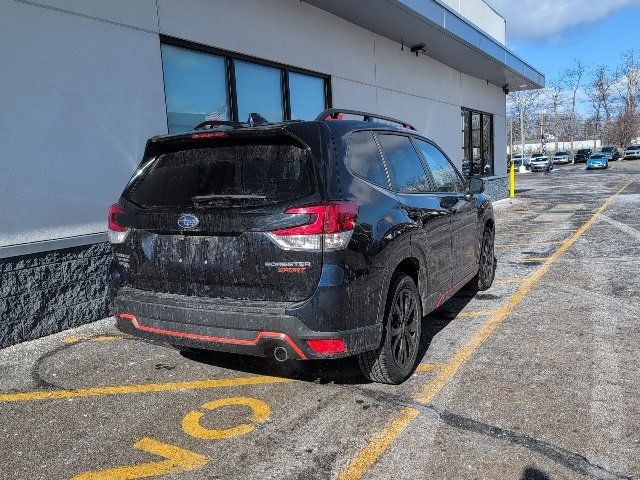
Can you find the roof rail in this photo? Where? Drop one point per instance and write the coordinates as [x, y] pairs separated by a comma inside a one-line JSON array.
[[208, 124], [337, 113]]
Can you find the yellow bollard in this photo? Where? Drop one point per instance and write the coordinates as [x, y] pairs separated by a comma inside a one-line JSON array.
[[512, 180]]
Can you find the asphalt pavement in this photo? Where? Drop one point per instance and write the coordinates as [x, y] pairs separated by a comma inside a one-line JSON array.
[[535, 378]]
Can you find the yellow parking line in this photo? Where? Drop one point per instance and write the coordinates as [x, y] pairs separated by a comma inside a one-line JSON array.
[[534, 232], [531, 260], [528, 244], [378, 444], [72, 339], [475, 313], [105, 338], [427, 367], [508, 281], [140, 388], [381, 441]]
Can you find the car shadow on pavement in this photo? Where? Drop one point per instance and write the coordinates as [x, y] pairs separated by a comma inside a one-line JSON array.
[[440, 318], [343, 371], [531, 473]]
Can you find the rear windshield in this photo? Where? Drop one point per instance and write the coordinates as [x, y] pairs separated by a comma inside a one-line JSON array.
[[236, 172]]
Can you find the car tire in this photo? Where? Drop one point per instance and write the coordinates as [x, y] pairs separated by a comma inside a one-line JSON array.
[[395, 359], [487, 262]]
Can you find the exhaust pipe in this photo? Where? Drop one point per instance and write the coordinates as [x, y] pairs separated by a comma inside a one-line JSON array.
[[280, 354]]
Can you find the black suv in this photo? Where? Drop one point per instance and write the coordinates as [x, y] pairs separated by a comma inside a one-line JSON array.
[[582, 155], [300, 240], [612, 153]]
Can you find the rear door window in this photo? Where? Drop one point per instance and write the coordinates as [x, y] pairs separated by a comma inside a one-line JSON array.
[[405, 168], [364, 159], [234, 172], [444, 176]]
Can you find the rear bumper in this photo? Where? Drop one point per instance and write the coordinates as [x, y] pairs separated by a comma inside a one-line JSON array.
[[248, 327]]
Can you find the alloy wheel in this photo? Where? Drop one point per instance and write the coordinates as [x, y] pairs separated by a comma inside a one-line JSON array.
[[404, 327], [486, 259]]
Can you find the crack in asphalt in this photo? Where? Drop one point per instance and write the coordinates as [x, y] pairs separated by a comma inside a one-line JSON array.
[[38, 377], [574, 461]]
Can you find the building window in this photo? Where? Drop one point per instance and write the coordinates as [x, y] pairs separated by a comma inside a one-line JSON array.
[[477, 143], [203, 83], [259, 90], [307, 96], [195, 87]]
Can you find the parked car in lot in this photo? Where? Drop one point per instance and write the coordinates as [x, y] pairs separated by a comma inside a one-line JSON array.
[[598, 160], [298, 240], [561, 158], [612, 153], [582, 155], [519, 160], [631, 152], [541, 164]]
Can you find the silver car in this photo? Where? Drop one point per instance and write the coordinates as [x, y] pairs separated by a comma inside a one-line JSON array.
[[632, 151], [541, 164], [562, 158]]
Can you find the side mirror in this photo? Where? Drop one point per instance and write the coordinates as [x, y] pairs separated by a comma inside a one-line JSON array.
[[476, 185]]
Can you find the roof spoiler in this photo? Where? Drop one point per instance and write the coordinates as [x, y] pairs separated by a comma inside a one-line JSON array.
[[337, 114], [209, 124]]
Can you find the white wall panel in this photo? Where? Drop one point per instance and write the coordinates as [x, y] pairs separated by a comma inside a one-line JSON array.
[[79, 100], [285, 31], [81, 92]]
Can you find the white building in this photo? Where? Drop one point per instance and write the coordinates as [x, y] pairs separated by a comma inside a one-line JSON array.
[[85, 82]]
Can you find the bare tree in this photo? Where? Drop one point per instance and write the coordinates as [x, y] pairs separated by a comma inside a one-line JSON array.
[[572, 81], [627, 123], [523, 105], [630, 73], [554, 101]]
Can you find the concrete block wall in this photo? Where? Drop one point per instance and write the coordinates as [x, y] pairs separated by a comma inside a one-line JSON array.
[[45, 293]]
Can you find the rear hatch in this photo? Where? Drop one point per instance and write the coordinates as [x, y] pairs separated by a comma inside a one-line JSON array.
[[200, 210]]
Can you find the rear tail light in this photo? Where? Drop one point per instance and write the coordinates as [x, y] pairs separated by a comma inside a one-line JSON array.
[[329, 227], [328, 346], [117, 233]]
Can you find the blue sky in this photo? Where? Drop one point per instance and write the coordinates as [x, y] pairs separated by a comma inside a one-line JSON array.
[[549, 34]]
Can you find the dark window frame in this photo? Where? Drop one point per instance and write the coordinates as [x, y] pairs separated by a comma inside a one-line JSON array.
[[388, 186], [432, 180], [469, 146], [230, 59], [425, 168]]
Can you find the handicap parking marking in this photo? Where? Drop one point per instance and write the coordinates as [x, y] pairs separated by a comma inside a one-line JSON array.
[[369, 454], [260, 412], [140, 388], [178, 459]]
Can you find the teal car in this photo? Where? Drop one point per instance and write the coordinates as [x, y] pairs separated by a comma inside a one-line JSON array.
[[598, 160]]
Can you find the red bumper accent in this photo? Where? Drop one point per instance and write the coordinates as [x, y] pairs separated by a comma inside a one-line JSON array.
[[207, 338]]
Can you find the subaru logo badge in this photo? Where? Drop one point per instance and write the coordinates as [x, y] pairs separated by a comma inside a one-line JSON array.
[[188, 221]]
